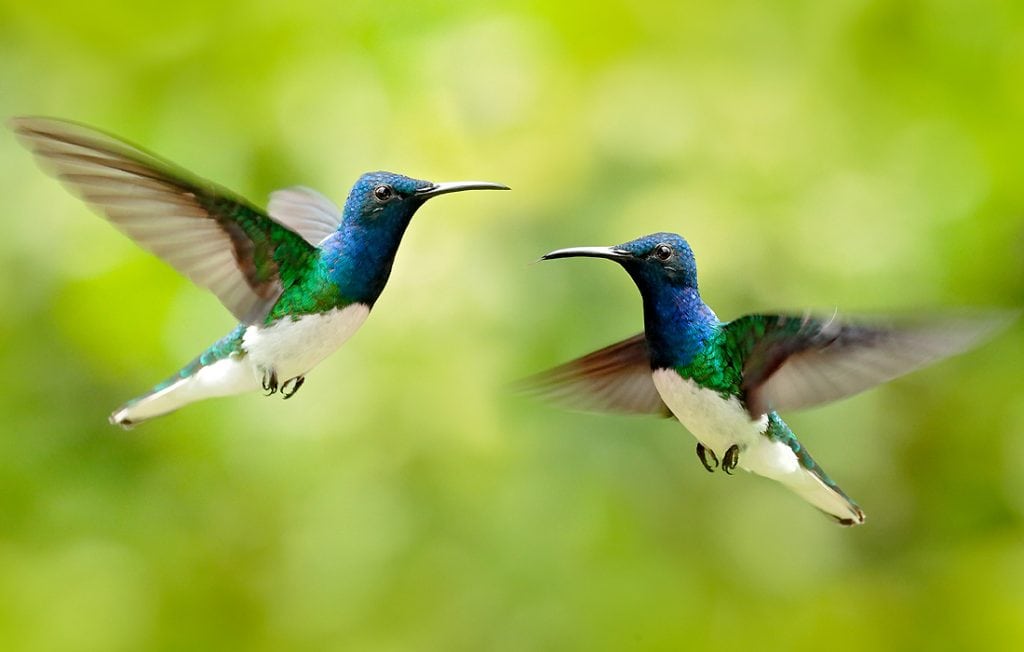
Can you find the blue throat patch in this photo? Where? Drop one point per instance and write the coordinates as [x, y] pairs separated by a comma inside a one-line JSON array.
[[358, 256], [678, 324]]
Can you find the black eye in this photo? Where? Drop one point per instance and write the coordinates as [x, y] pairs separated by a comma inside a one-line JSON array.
[[383, 193], [663, 252]]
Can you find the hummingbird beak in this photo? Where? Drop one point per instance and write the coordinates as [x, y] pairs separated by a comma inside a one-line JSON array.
[[611, 253], [457, 186]]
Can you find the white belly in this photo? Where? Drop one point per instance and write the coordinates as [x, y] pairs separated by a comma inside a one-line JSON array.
[[293, 347], [289, 347], [719, 424], [715, 422]]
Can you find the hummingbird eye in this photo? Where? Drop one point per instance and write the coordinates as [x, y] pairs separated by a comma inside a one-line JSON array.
[[663, 252], [383, 193]]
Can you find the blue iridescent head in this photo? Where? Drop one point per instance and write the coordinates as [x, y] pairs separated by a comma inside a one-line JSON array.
[[653, 261], [677, 323], [358, 257], [386, 198]]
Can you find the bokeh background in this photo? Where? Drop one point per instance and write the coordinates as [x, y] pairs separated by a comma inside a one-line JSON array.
[[859, 154]]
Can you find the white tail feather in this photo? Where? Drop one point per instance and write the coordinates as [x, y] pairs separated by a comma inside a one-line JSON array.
[[222, 378]]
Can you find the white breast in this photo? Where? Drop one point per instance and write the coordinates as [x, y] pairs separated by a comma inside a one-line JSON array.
[[292, 347], [715, 422]]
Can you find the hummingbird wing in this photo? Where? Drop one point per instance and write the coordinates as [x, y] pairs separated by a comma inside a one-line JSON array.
[[794, 361], [306, 212], [217, 239], [616, 378]]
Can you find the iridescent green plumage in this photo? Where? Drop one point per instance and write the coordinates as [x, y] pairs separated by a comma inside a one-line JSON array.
[[718, 366], [266, 251], [726, 356], [313, 293]]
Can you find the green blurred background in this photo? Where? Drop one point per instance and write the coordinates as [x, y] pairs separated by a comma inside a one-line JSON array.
[[857, 154]]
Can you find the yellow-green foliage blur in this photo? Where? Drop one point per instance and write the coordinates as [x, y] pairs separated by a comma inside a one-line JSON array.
[[859, 154]]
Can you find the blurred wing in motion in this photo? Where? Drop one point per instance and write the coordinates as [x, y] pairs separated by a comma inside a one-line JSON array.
[[306, 212], [218, 240], [798, 361], [616, 378]]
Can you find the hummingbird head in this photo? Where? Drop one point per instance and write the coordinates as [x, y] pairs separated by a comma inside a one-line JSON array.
[[380, 205], [677, 323], [386, 200], [653, 261]]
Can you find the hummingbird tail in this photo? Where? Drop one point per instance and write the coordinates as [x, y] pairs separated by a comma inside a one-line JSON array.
[[819, 490], [221, 370], [156, 402], [230, 375], [805, 478]]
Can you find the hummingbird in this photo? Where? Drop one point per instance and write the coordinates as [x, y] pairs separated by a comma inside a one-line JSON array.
[[727, 381], [301, 276]]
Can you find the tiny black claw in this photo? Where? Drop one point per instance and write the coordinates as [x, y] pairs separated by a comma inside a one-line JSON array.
[[703, 454], [270, 382], [291, 386], [731, 459]]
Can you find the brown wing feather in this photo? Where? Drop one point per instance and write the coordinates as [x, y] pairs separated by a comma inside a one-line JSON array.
[[616, 378]]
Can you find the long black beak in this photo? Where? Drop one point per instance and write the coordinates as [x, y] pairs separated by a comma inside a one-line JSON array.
[[457, 186], [610, 253]]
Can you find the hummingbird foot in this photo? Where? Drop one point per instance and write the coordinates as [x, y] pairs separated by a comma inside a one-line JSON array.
[[703, 454], [270, 382], [291, 386], [731, 459]]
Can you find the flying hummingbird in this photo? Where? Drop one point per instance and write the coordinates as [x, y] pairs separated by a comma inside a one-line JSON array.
[[725, 381], [300, 276]]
